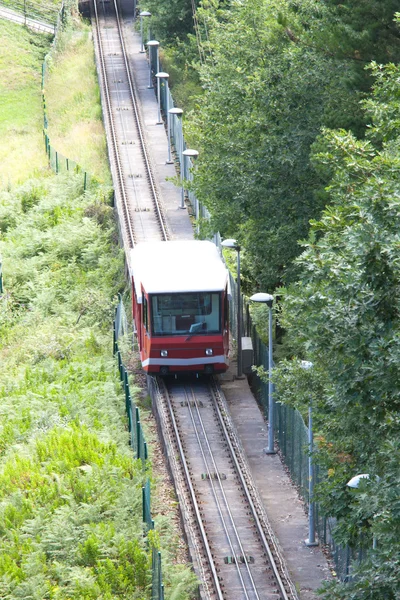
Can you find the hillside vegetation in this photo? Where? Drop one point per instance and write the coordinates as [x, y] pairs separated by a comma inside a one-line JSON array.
[[70, 489]]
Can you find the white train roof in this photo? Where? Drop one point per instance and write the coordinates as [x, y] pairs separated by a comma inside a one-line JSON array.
[[172, 267]]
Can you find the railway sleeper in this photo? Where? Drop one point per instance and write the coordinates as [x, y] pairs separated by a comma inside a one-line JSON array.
[[213, 476], [231, 560]]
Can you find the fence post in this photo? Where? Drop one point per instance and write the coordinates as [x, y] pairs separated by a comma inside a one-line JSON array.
[[138, 435], [1, 276], [114, 340], [127, 393]]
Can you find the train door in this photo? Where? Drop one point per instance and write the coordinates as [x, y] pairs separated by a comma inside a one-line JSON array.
[[225, 316], [145, 328]]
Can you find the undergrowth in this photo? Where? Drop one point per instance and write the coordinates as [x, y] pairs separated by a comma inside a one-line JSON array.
[[70, 502]]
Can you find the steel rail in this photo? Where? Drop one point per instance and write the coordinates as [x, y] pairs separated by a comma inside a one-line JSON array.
[[117, 161], [139, 128], [241, 476], [199, 520], [218, 504]]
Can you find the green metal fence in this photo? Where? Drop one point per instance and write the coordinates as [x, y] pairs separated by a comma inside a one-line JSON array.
[[147, 518], [157, 588], [138, 444]]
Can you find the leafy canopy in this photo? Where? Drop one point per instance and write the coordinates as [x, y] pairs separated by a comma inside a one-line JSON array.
[[344, 315]]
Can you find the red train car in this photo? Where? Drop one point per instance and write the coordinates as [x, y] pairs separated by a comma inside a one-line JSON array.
[[180, 307]]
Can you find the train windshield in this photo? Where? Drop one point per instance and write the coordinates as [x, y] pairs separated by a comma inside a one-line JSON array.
[[194, 313]]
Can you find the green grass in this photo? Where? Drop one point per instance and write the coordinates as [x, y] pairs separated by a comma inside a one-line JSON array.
[[21, 120], [36, 9]]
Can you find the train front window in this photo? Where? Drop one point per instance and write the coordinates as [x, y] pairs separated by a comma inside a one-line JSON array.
[[193, 313]]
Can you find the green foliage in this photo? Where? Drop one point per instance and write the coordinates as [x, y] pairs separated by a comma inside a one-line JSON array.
[[366, 29], [70, 502], [171, 20], [344, 315], [375, 512], [266, 97]]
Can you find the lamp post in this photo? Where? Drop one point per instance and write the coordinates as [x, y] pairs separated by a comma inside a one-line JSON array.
[[311, 541], [159, 77], [153, 44], [169, 160], [268, 300], [178, 112], [144, 13], [231, 243], [188, 153]]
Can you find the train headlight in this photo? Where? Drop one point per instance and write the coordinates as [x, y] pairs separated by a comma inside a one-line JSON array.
[[209, 352], [164, 353]]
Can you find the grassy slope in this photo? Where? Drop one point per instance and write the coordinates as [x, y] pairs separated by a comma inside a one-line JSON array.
[[21, 120], [70, 518], [75, 120]]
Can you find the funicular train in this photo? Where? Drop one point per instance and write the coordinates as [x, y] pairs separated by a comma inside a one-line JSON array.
[[180, 307]]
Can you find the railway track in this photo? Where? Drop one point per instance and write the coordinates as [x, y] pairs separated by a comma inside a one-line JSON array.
[[233, 547], [237, 553], [141, 213]]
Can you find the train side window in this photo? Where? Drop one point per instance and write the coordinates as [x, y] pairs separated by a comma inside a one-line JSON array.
[[145, 314], [226, 309]]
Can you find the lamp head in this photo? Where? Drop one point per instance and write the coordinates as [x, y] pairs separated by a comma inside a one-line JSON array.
[[230, 243], [175, 111], [356, 480], [190, 152], [162, 75], [145, 13], [263, 298], [306, 365]]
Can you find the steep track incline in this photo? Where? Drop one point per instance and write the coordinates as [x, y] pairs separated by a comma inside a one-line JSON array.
[[136, 191]]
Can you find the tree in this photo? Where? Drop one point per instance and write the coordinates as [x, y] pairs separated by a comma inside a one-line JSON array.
[[266, 96], [344, 315]]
